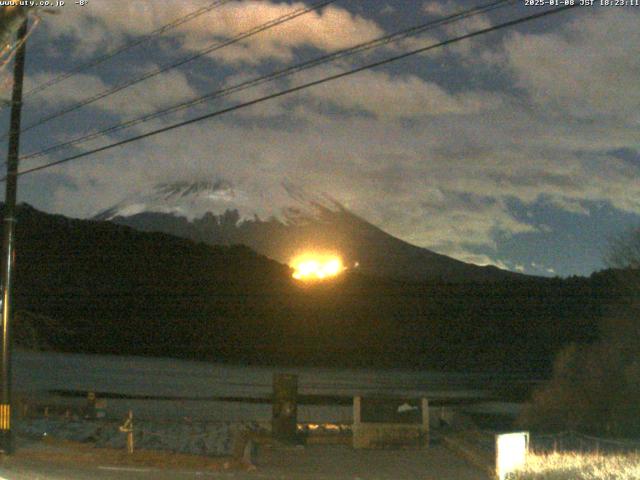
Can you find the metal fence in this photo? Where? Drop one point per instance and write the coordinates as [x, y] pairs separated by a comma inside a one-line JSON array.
[[566, 441], [572, 441]]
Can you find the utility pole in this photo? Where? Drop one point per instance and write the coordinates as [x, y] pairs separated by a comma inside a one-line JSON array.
[[8, 254]]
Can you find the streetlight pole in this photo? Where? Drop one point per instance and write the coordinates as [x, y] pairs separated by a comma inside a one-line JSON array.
[[8, 254]]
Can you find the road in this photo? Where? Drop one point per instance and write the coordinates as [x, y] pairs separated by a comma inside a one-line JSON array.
[[315, 462]]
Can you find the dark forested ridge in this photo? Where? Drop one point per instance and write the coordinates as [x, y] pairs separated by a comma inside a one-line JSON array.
[[111, 289]]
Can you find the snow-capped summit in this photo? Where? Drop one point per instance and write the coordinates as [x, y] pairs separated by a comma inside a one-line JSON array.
[[192, 200], [186, 199]]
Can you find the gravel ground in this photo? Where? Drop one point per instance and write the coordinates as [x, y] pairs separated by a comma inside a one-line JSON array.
[[199, 438]]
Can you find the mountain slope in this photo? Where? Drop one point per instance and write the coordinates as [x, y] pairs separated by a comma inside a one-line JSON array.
[[218, 214]]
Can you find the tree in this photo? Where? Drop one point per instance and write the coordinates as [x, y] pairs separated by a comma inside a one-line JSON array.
[[624, 250], [596, 388]]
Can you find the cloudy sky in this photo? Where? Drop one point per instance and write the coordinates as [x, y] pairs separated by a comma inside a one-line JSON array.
[[520, 148]]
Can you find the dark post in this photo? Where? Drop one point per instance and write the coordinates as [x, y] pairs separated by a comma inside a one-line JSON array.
[[8, 255], [90, 411], [284, 425]]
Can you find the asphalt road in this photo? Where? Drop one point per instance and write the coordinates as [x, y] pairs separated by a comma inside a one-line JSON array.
[[316, 462]]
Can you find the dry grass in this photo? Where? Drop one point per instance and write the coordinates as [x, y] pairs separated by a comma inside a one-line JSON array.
[[575, 466]]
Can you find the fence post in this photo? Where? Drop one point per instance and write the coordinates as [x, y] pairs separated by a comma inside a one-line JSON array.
[[127, 428], [91, 405], [424, 407], [357, 406], [284, 421]]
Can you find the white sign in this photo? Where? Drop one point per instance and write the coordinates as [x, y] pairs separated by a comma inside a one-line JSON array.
[[511, 452]]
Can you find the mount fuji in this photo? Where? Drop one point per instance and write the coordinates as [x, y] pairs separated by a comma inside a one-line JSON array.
[[284, 223]]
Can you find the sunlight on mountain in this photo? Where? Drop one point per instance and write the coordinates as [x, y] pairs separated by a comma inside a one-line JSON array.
[[314, 266]]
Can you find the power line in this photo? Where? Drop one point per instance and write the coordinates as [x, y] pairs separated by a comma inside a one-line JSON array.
[[123, 48], [393, 37], [300, 87], [217, 113], [217, 46]]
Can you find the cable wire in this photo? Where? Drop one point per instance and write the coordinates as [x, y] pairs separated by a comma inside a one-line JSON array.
[[145, 38], [304, 86], [362, 47], [216, 46]]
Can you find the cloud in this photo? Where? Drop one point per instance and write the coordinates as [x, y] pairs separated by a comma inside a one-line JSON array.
[[583, 70], [388, 10], [480, 259], [156, 93], [417, 183], [436, 163], [539, 268], [387, 96], [436, 8], [106, 24], [567, 204], [467, 49], [329, 29]]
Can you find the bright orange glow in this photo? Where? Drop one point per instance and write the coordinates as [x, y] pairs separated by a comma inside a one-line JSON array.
[[314, 266]]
